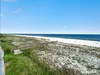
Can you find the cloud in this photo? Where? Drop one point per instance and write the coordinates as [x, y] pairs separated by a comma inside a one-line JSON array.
[[16, 11], [61, 26], [10, 0]]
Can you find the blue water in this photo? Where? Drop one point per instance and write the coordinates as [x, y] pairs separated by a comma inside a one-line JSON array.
[[92, 37]]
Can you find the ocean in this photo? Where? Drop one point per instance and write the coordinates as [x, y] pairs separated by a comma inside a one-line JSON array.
[[92, 37]]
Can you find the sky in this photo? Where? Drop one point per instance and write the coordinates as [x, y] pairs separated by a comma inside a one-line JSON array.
[[50, 16]]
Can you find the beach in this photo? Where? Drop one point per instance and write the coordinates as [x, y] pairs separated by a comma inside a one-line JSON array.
[[70, 41], [78, 57], [69, 56]]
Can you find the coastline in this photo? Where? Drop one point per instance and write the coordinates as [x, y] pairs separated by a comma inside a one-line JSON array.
[[58, 56], [70, 41]]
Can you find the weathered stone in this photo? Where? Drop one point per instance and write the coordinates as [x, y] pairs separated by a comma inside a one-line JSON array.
[[17, 51]]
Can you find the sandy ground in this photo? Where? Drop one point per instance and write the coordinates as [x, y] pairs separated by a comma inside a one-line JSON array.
[[71, 41]]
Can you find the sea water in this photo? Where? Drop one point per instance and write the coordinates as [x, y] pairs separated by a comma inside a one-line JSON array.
[[92, 37]]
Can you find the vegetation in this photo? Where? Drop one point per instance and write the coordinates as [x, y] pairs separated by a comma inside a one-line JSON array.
[[26, 63], [42, 57]]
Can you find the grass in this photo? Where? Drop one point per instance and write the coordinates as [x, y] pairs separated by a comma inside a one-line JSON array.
[[26, 63], [23, 65]]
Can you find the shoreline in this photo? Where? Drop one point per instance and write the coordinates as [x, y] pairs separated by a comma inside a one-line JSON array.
[[70, 41]]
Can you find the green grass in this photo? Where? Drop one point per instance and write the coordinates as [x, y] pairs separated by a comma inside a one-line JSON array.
[[26, 63], [23, 65]]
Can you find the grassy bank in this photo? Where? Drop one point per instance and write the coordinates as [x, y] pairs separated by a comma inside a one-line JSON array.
[[26, 63]]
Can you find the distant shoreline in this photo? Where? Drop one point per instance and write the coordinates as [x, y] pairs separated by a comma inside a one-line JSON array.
[[90, 37], [70, 41]]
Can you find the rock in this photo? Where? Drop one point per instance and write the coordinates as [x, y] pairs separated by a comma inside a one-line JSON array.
[[17, 52]]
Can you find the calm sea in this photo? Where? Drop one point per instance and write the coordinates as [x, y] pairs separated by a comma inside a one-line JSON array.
[[93, 37]]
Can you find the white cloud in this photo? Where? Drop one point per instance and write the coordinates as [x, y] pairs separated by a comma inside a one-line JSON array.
[[16, 11], [61, 26], [10, 0]]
